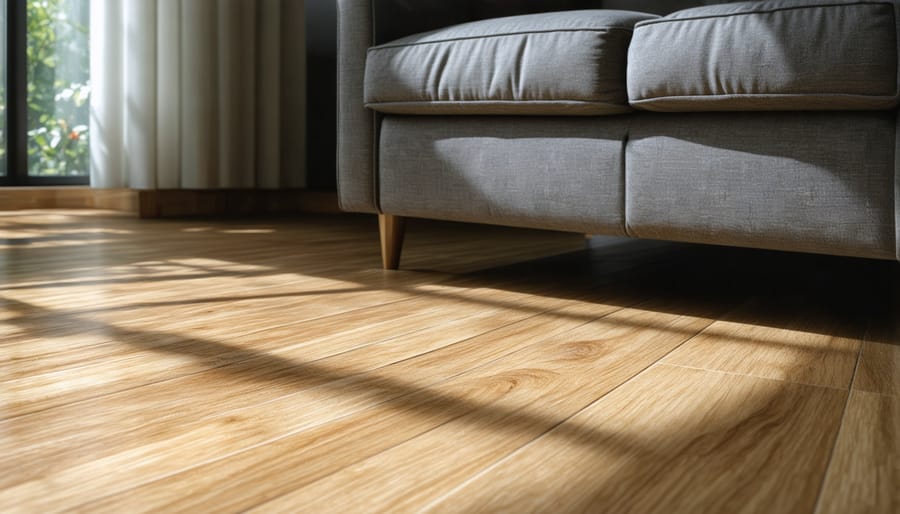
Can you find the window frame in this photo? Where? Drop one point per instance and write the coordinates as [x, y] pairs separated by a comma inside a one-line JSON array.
[[17, 105]]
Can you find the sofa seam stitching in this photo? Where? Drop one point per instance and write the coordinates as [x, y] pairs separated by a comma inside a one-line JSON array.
[[539, 102], [761, 95], [389, 46], [646, 23]]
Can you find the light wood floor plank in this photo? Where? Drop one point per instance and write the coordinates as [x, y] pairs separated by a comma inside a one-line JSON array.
[[879, 368], [241, 428], [328, 421], [806, 347], [290, 368], [864, 476], [672, 440], [495, 406], [251, 377], [230, 365], [48, 389], [879, 361]]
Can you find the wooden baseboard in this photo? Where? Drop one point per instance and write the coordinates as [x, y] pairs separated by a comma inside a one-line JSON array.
[[171, 203], [67, 197]]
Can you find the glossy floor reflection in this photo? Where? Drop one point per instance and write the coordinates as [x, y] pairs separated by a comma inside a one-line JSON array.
[[271, 365]]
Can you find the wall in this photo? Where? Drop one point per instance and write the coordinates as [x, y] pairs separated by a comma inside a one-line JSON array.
[[321, 115]]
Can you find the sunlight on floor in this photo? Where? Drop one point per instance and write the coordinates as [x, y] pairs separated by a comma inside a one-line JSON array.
[[184, 365]]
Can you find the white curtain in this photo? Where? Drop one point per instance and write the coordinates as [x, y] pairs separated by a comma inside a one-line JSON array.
[[197, 94]]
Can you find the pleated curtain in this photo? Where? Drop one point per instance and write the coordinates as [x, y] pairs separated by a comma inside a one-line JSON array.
[[197, 94]]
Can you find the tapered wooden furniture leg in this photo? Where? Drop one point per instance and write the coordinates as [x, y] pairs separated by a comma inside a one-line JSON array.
[[392, 229]]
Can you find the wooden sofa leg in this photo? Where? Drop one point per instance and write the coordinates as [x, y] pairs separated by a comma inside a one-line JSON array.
[[392, 229]]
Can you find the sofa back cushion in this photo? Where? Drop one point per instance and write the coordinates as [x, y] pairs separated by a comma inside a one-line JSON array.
[[555, 63], [767, 55]]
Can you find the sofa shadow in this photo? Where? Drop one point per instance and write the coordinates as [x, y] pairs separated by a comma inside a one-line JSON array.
[[689, 279]]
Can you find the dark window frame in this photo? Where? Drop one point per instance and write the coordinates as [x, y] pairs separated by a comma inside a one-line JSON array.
[[17, 105]]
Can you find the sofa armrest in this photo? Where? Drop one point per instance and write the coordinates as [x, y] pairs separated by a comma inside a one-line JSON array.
[[356, 142], [364, 23], [356, 124]]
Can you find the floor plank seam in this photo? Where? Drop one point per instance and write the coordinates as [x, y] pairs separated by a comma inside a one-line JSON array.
[[534, 315], [510, 455], [247, 365], [281, 397], [314, 425], [287, 395], [439, 425], [837, 435], [876, 393], [416, 331], [761, 377], [207, 370]]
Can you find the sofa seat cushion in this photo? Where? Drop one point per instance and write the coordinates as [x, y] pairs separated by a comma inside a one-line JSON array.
[[771, 55], [560, 63]]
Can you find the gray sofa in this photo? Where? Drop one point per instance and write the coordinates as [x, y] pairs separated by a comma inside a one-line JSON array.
[[768, 124]]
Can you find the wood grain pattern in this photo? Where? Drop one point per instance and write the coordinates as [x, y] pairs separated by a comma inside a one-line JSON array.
[[864, 476], [292, 368], [68, 197], [672, 440], [474, 416], [879, 368], [174, 365], [796, 350], [546, 387], [361, 405], [879, 360]]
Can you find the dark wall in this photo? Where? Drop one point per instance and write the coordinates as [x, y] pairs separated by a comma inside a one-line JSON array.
[[321, 76], [398, 18]]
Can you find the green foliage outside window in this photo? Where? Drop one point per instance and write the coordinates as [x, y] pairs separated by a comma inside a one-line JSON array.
[[58, 87], [3, 6]]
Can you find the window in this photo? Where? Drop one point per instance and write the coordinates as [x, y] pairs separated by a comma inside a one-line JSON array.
[[44, 111], [3, 41]]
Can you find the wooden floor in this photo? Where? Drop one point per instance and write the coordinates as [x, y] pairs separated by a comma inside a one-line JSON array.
[[221, 366]]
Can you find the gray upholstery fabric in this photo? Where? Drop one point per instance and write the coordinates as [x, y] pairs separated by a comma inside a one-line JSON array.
[[358, 23], [553, 63], [897, 188], [553, 173], [771, 55], [811, 182], [356, 132]]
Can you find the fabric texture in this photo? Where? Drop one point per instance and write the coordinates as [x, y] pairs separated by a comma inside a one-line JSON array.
[[770, 55], [362, 23], [356, 161], [551, 173], [565, 63], [196, 94], [811, 182]]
